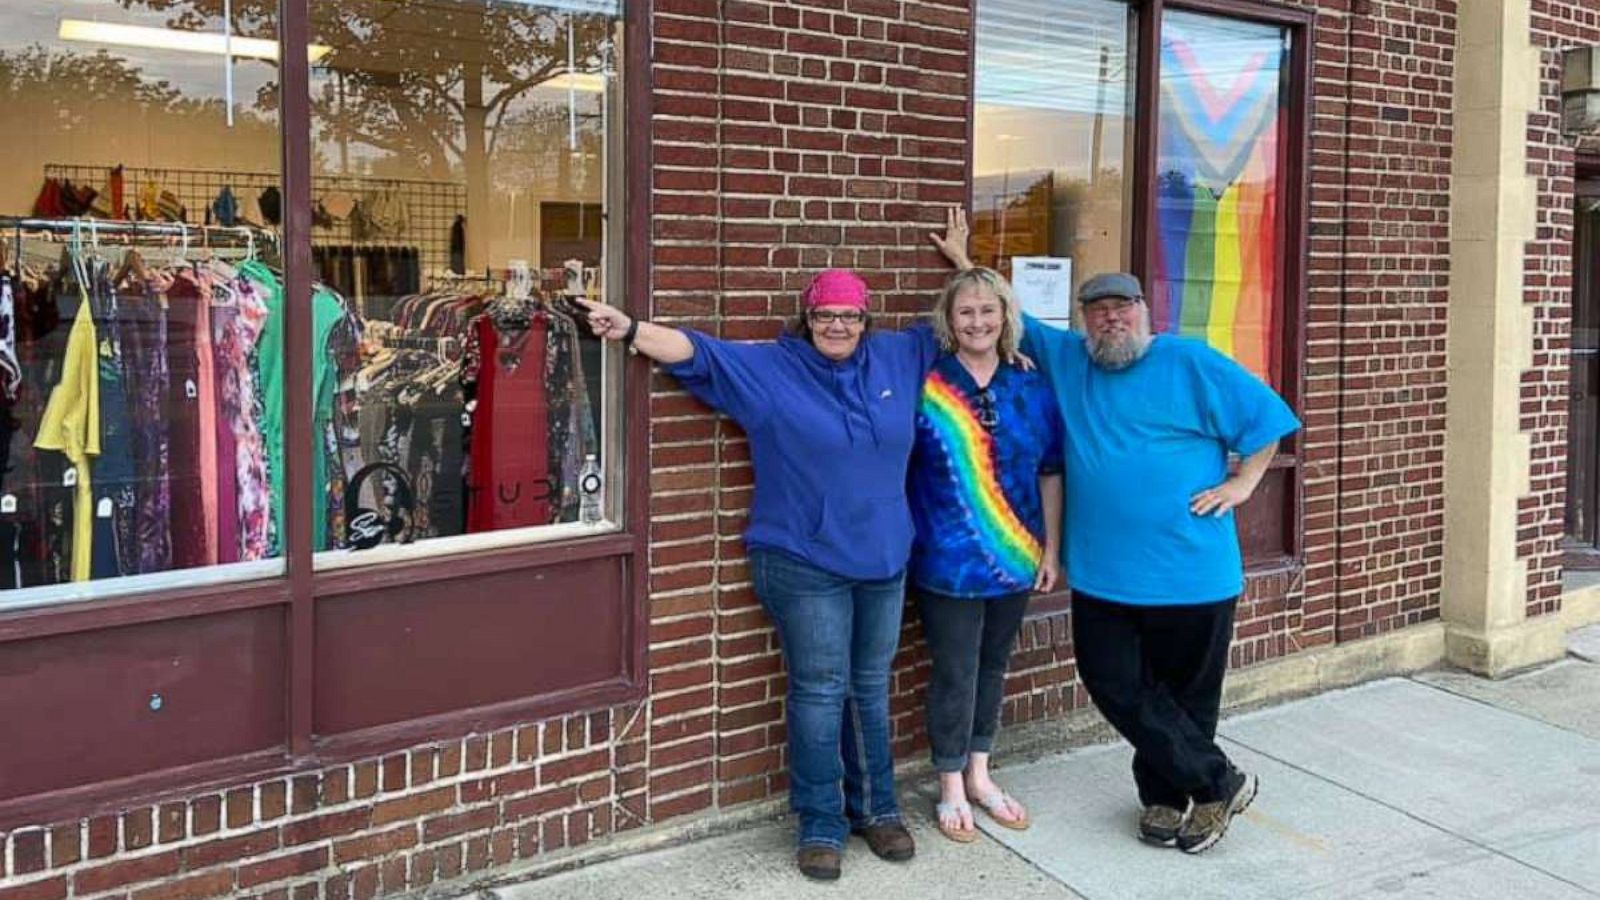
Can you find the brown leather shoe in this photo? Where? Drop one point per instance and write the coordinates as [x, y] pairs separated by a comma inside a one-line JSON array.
[[818, 862], [890, 841]]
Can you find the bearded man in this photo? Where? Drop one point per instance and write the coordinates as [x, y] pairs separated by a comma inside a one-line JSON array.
[[1151, 549]]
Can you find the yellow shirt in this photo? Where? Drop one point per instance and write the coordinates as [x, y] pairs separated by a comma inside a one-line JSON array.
[[71, 424]]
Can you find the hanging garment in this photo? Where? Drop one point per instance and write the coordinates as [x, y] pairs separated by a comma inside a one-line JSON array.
[[271, 203], [327, 311], [116, 508], [118, 190], [238, 361], [149, 201], [228, 354], [458, 245], [147, 380], [10, 366], [21, 525], [510, 465], [338, 205], [71, 425], [31, 477], [225, 208], [566, 444], [77, 200], [434, 462], [48, 204], [206, 378], [191, 530]]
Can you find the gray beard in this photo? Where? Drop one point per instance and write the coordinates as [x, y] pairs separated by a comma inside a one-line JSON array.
[[1118, 355]]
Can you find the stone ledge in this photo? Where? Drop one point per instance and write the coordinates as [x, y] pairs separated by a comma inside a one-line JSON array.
[[1338, 666], [1506, 650]]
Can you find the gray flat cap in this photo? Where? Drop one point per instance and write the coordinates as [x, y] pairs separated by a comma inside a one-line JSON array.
[[1110, 284]]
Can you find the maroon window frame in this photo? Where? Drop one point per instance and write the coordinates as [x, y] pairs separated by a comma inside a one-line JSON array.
[[282, 614], [1270, 525], [1271, 529]]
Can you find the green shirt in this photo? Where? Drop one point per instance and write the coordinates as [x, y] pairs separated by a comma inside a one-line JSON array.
[[326, 311]]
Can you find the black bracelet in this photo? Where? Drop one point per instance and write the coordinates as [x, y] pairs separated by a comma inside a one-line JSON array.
[[631, 333]]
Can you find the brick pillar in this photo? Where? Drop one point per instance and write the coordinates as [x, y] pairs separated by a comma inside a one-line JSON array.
[[1488, 465]]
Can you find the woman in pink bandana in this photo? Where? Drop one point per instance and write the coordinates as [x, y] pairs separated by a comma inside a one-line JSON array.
[[829, 408]]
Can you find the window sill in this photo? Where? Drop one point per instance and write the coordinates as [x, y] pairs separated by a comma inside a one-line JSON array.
[[336, 560]]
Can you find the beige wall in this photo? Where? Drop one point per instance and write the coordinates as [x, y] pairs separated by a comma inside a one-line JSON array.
[[1487, 464]]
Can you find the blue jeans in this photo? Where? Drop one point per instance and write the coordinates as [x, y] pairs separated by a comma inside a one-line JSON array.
[[839, 636]]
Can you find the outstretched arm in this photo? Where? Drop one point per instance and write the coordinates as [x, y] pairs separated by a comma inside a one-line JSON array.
[[661, 343]]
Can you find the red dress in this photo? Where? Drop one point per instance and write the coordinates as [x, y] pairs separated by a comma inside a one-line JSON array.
[[509, 484]]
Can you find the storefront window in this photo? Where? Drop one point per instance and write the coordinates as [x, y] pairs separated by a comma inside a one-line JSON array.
[[1052, 134], [464, 154], [1219, 253], [139, 375], [1056, 173]]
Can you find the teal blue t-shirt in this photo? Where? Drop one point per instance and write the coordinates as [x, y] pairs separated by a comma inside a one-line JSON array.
[[1139, 444]]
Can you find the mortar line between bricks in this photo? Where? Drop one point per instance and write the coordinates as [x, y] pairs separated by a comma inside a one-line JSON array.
[[1515, 712], [1435, 826]]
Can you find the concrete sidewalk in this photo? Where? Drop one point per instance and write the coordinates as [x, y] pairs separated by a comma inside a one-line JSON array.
[[1443, 785]]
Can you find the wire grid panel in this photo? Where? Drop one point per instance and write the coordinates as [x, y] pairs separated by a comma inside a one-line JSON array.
[[430, 206]]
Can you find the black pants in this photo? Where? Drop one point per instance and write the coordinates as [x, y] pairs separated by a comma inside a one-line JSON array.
[[970, 642], [1155, 672]]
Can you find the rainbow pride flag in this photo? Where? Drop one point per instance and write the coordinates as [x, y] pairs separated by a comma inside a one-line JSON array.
[[1217, 196]]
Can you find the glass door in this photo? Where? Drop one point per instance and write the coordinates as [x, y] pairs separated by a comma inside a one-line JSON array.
[[1583, 485]]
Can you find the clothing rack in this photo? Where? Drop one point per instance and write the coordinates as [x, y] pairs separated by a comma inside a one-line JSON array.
[[446, 346], [546, 282], [435, 278], [81, 231], [91, 228], [432, 205]]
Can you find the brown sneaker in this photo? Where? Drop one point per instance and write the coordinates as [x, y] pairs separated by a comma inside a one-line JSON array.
[[1159, 825], [1208, 822], [889, 840], [818, 862]]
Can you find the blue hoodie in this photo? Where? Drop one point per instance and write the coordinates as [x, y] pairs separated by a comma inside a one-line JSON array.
[[830, 441]]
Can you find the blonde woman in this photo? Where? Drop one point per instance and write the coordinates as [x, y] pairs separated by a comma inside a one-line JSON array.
[[985, 491]]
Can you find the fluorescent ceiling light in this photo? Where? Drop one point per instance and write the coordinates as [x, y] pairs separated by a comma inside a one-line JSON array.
[[170, 39], [591, 82], [580, 7]]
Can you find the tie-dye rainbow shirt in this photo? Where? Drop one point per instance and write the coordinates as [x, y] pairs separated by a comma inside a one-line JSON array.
[[975, 491]]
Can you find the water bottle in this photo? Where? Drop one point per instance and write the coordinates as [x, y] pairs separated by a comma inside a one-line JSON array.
[[590, 482]]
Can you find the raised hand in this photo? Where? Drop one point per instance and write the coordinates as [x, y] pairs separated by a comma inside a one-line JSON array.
[[953, 243]]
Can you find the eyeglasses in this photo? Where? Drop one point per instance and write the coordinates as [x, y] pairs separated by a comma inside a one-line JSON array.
[[830, 316], [988, 416]]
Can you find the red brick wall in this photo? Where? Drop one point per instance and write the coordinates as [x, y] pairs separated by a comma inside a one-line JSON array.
[[1375, 324], [1547, 289], [791, 136], [380, 826]]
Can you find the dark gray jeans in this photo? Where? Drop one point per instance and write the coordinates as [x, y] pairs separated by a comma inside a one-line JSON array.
[[970, 642]]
